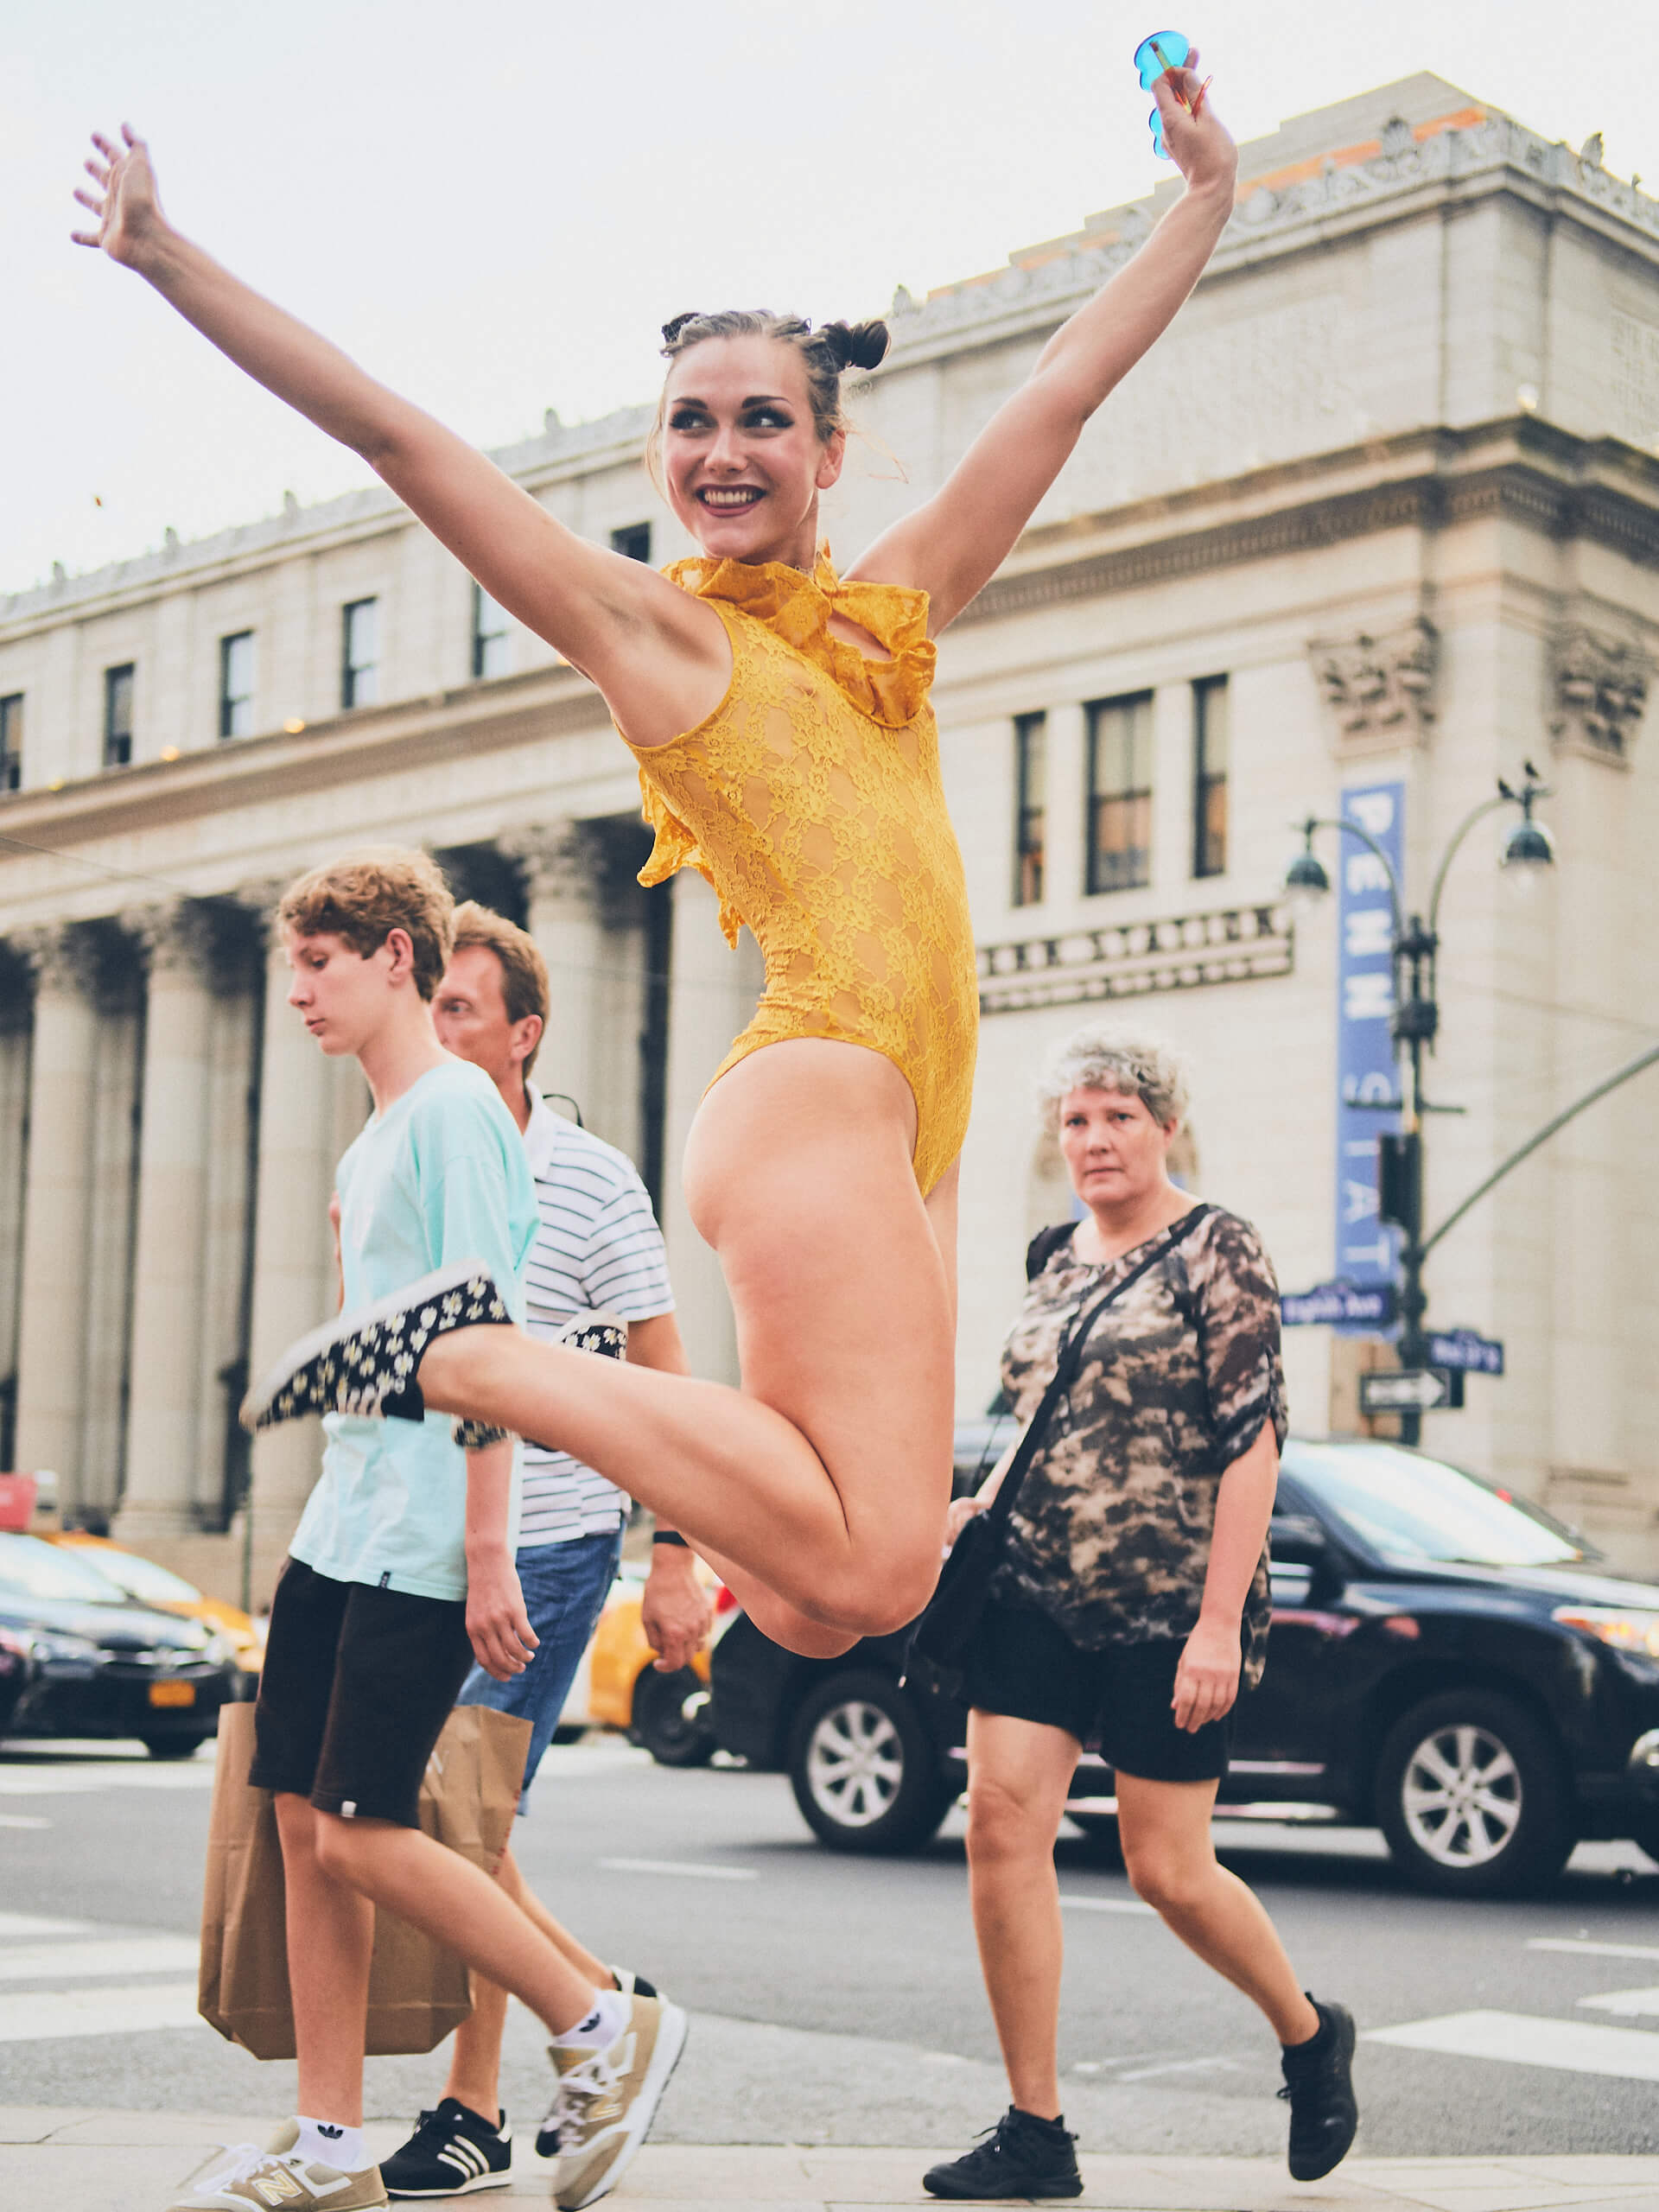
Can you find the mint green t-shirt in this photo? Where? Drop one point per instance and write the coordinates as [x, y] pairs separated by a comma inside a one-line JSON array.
[[441, 1175]]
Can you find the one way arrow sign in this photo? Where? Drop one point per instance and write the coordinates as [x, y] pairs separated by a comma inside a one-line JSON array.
[[1407, 1389]]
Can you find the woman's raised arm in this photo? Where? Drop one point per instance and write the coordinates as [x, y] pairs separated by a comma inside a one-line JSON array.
[[953, 545], [617, 619]]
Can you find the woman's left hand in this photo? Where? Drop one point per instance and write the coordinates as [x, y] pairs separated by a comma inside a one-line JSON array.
[[1206, 1681], [1199, 144]]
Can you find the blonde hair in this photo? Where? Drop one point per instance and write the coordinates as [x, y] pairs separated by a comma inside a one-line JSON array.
[[1103, 1055], [363, 897], [524, 971]]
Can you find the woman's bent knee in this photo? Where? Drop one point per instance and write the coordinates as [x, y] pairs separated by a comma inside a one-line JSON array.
[[1168, 1885], [342, 1849]]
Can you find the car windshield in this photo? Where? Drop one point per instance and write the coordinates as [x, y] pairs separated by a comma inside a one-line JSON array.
[[1408, 1508], [139, 1578], [29, 1568]]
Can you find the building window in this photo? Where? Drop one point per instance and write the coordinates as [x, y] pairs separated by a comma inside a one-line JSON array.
[[633, 543], [489, 643], [236, 685], [1120, 793], [11, 742], [1210, 776], [1030, 819], [117, 716], [359, 662]]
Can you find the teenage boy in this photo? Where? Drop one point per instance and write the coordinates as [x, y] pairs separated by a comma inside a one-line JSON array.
[[597, 1245], [400, 1573]]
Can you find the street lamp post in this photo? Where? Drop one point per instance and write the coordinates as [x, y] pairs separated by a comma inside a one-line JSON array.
[[1414, 1025]]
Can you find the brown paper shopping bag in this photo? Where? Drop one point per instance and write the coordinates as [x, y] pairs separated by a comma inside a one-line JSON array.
[[418, 1990]]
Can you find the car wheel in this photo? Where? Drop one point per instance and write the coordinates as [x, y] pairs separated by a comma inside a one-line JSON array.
[[1472, 1798], [659, 1721], [866, 1775], [173, 1747]]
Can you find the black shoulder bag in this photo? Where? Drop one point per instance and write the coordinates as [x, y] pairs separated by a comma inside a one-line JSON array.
[[937, 1650]]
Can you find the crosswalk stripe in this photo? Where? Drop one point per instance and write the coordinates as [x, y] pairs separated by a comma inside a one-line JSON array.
[[1594, 1950], [1631, 2002], [34, 2016], [34, 1924], [47, 1781], [1523, 2039], [83, 1961]]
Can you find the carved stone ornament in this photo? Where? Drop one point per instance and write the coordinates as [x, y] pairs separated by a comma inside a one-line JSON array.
[[1599, 690], [63, 956], [1378, 692], [559, 860], [176, 937]]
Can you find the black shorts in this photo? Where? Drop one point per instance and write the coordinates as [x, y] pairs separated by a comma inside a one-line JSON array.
[[1116, 1701], [357, 1684]]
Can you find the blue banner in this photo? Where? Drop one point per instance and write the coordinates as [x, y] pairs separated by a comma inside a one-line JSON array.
[[1367, 1249]]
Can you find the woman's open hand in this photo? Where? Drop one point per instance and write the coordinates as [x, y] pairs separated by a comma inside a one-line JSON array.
[[126, 203], [1199, 144], [1206, 1680]]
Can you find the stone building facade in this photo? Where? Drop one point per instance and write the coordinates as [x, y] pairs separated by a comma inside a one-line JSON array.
[[1382, 511]]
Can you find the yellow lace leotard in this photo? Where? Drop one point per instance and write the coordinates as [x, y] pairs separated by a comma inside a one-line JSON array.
[[811, 799]]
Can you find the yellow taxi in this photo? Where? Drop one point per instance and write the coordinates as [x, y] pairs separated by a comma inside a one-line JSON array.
[[618, 1686], [150, 1584]]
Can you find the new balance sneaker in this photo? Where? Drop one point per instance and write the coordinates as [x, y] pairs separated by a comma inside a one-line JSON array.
[[547, 2135], [1021, 2155], [1319, 2090], [453, 2152], [244, 2179], [364, 1363], [607, 2100]]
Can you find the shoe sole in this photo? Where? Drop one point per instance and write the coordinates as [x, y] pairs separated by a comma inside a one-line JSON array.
[[461, 2188], [664, 2057], [258, 1401], [1025, 2193], [1347, 2040]]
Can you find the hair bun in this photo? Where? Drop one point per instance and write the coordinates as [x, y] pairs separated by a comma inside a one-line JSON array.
[[857, 346], [675, 324]]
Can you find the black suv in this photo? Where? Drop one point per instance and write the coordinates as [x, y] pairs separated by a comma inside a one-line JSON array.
[[1446, 1664]]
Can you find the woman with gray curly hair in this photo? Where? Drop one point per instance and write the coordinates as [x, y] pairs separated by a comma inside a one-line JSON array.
[[1131, 1601]]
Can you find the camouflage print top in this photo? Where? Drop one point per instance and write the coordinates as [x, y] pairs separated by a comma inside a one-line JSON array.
[[1110, 1537]]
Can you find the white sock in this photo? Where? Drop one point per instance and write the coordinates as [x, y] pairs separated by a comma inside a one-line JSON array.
[[331, 2145], [599, 2030]]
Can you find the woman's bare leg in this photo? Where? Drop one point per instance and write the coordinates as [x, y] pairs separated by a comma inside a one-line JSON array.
[[1019, 1773], [827, 1476], [1164, 1828]]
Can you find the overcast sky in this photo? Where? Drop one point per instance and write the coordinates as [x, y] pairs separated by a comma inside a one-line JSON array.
[[494, 203]]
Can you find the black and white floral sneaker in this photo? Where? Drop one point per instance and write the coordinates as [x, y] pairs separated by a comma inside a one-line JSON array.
[[365, 1363]]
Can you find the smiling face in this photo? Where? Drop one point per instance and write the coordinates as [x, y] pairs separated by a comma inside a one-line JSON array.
[[1114, 1148], [741, 453]]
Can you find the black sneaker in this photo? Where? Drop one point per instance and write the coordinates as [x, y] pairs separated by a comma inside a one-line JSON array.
[[364, 1363], [547, 2135], [1021, 2155], [453, 2152], [1319, 2090]]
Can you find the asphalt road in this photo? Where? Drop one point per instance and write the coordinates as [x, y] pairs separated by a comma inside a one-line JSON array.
[[838, 2000]]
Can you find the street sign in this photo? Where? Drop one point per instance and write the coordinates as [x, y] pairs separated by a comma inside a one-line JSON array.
[[1342, 1305], [1405, 1390], [1466, 1351]]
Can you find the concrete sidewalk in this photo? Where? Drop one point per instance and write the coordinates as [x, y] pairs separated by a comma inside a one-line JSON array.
[[61, 2159]]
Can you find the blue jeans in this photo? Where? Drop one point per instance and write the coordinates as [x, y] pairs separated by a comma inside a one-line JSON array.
[[564, 1586]]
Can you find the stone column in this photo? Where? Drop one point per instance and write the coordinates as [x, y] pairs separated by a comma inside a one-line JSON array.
[[57, 1203], [560, 864], [164, 1412], [292, 1251], [712, 992], [15, 1001]]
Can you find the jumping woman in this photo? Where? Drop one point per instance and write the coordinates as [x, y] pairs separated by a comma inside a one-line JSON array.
[[780, 717]]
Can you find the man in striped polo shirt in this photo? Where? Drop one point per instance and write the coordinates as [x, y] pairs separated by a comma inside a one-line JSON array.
[[598, 1246]]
